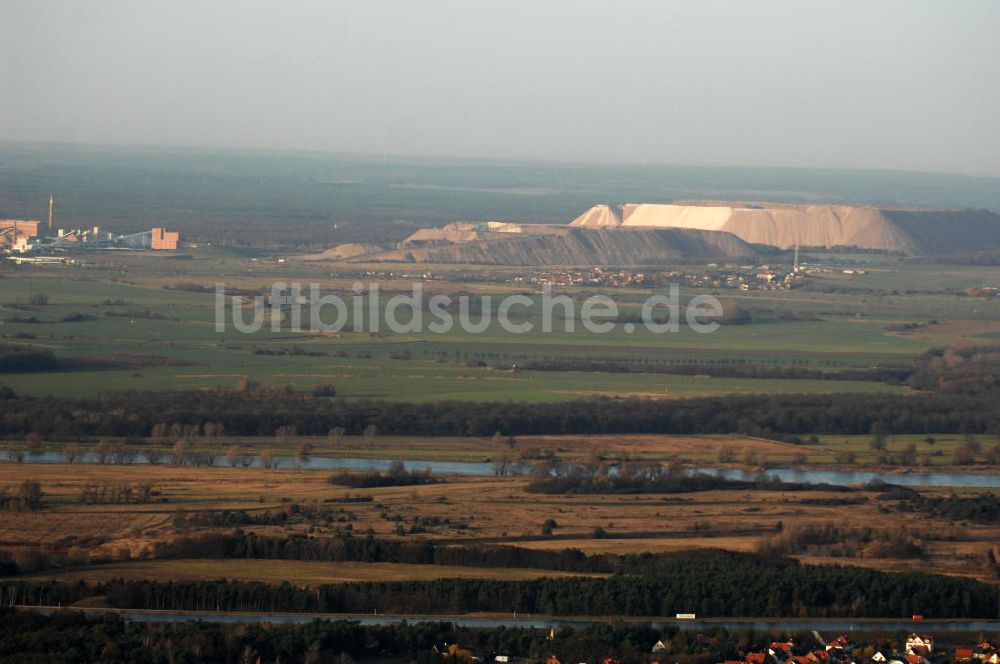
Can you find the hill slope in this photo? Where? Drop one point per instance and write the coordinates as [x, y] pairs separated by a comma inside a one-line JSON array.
[[562, 245]]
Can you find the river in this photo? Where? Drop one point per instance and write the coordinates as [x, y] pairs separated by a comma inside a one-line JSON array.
[[482, 469]]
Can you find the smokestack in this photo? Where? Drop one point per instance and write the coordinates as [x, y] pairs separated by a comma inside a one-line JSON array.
[[50, 213]]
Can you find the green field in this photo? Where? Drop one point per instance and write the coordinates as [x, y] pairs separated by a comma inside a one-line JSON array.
[[102, 311]]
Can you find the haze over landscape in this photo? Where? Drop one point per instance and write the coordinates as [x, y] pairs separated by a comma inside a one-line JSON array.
[[891, 84]]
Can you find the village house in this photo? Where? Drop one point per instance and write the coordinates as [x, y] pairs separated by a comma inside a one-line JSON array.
[[919, 644], [781, 647], [887, 658]]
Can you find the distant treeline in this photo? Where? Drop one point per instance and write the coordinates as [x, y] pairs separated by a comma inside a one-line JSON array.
[[970, 370], [554, 477], [711, 586], [829, 539], [26, 359], [345, 546], [981, 508], [134, 414], [722, 370], [396, 475]]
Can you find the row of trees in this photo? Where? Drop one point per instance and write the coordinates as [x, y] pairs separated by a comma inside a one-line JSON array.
[[847, 541], [395, 475], [254, 414], [968, 370], [722, 370], [182, 453], [114, 493], [26, 496], [980, 508], [345, 546], [724, 585], [554, 476]]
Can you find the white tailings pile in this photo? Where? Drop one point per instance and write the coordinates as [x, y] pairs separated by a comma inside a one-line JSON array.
[[914, 231]]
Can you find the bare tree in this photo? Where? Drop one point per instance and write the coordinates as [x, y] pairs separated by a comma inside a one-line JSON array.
[[247, 384], [102, 450], [34, 442], [879, 442], [159, 432], [30, 495], [284, 434], [267, 459], [503, 465], [727, 454], [964, 454], [123, 454], [303, 456], [336, 435], [596, 455], [845, 457], [908, 457], [370, 432], [180, 452], [71, 452], [233, 456]]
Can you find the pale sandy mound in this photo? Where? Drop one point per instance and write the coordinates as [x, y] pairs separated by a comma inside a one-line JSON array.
[[342, 252], [600, 216], [451, 234], [706, 218], [918, 231]]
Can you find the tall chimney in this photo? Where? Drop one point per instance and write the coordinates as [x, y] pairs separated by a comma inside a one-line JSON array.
[[50, 214]]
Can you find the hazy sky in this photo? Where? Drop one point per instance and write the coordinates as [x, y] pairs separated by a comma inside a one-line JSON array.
[[905, 84]]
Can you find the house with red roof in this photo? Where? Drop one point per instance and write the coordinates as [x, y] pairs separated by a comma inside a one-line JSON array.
[[919, 644]]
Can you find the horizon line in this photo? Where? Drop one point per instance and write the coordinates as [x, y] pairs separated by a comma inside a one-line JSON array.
[[534, 161]]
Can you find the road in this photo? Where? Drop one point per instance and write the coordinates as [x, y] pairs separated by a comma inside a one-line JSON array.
[[544, 622]]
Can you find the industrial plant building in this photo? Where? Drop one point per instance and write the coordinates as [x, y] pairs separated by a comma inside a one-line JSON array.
[[22, 237], [15, 233]]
